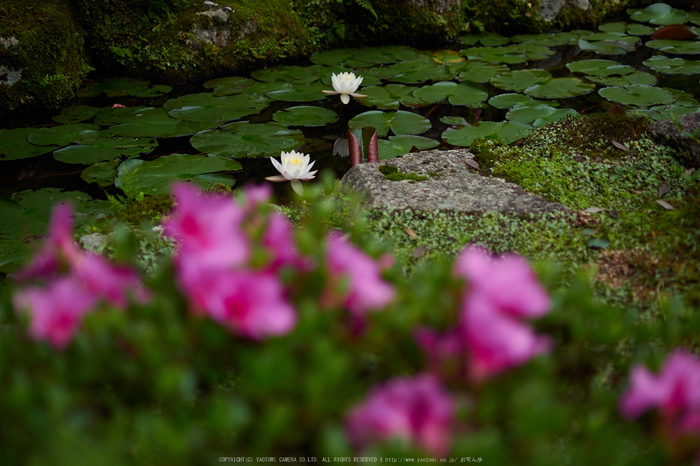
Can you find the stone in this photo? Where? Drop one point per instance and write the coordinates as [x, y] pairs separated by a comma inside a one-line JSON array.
[[549, 9], [666, 132], [452, 185]]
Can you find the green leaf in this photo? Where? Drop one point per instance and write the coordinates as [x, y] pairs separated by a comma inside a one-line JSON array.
[[508, 100], [466, 93], [155, 122], [637, 95], [659, 14], [102, 173], [207, 107], [156, 176], [633, 29], [75, 114], [300, 93], [486, 39], [14, 144], [638, 77], [607, 47], [305, 116], [560, 88], [229, 86], [667, 65], [245, 139], [598, 67], [530, 113], [390, 97], [683, 47], [521, 79], [61, 135], [476, 71], [101, 150], [402, 144], [292, 74], [399, 122], [503, 131]]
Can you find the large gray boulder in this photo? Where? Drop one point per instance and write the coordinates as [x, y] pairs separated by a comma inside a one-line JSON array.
[[666, 132], [451, 184]]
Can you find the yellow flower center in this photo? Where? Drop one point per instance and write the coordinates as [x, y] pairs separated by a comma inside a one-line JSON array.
[[294, 161]]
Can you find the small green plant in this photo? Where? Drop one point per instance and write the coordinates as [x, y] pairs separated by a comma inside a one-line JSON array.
[[392, 173]]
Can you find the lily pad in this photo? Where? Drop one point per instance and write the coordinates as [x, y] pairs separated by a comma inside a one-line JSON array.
[[466, 93], [478, 72], [39, 203], [637, 95], [548, 39], [305, 116], [598, 67], [300, 93], [504, 131], [560, 88], [660, 14], [521, 79], [17, 223], [541, 113], [102, 173], [676, 47], [607, 47], [75, 114], [390, 97], [14, 144], [292, 74], [207, 107], [118, 87], [331, 57], [402, 144], [667, 65], [509, 100], [415, 71], [635, 78], [509, 54], [103, 149], [633, 29], [229, 86], [245, 139], [13, 255], [155, 122], [399, 122], [385, 55], [155, 177], [61, 135], [453, 120], [488, 39]]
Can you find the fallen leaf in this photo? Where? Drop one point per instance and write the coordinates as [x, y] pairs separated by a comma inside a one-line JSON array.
[[593, 210], [613, 214], [411, 233], [689, 171], [665, 205], [472, 163], [598, 243], [419, 251], [620, 146], [663, 189], [674, 32], [590, 232]]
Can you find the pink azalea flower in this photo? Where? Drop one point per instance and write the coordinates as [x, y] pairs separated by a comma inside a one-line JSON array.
[[366, 289], [415, 409], [207, 228], [58, 249], [509, 283], [675, 392], [256, 194], [108, 281], [279, 239], [56, 311], [496, 341], [444, 353], [251, 304]]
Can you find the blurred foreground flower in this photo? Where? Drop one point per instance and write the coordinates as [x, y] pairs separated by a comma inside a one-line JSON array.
[[415, 409], [295, 168], [675, 392], [345, 84]]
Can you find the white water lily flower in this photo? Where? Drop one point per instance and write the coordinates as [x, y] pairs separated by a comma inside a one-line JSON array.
[[345, 84], [295, 168]]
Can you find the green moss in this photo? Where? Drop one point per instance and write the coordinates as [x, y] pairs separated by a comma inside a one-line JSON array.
[[48, 53], [392, 173]]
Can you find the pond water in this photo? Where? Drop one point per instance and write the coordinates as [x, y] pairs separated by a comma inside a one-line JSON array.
[[121, 135]]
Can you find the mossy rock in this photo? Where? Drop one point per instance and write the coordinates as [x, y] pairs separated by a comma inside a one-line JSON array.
[[42, 54], [190, 40]]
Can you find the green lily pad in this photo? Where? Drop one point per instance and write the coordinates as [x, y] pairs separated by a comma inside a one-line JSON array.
[[155, 177], [331, 57], [75, 114], [416, 71], [390, 97], [39, 203], [509, 100], [102, 173], [398, 122], [305, 116], [637, 95], [607, 47], [554, 117], [292, 74], [504, 131], [245, 139], [466, 93], [17, 223], [118, 87], [14, 254], [488, 39], [598, 67], [548, 39], [229, 86], [207, 107], [521, 79], [667, 65], [633, 29], [14, 144], [369, 56], [659, 14], [664, 112], [402, 144], [103, 149], [676, 47], [61, 135], [560, 88], [538, 115], [476, 71], [300, 93], [638, 77], [155, 122], [453, 120]]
